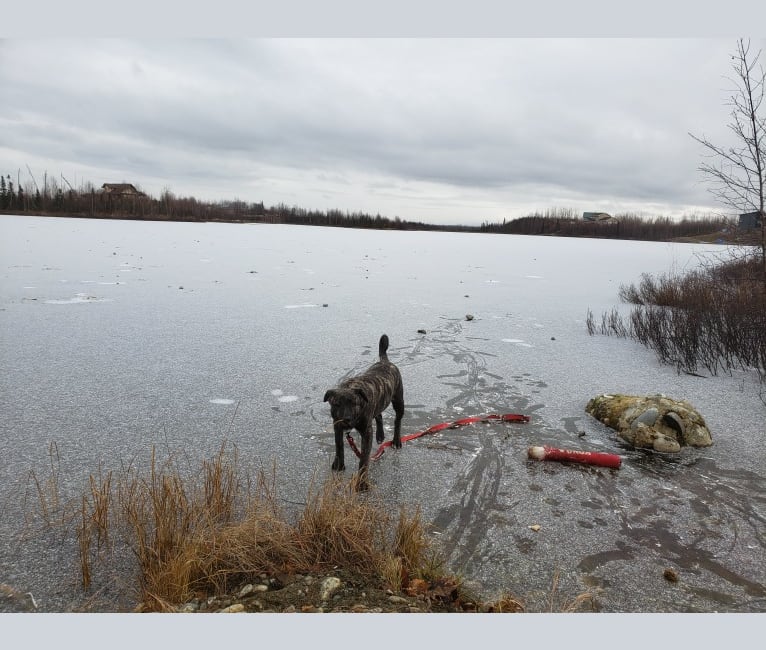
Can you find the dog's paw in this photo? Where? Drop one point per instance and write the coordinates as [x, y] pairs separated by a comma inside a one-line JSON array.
[[380, 437], [397, 442], [338, 465]]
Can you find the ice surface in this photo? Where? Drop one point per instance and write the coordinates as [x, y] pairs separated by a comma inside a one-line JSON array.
[[229, 311]]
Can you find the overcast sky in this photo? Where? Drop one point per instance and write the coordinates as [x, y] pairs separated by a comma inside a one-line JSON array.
[[436, 130]]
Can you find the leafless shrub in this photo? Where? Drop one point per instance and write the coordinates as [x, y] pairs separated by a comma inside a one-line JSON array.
[[712, 318]]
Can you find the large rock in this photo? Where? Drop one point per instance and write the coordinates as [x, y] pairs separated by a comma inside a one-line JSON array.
[[655, 421]]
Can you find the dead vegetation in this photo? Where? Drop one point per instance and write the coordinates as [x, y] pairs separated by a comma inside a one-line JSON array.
[[712, 318], [196, 534]]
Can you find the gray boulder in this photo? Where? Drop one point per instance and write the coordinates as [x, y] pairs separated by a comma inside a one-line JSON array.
[[654, 421]]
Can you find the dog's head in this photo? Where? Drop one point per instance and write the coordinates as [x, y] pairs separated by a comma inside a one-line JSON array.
[[346, 404]]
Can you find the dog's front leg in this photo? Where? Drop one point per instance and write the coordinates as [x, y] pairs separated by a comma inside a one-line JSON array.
[[338, 464]]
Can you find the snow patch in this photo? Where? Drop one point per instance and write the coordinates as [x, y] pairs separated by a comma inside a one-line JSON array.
[[518, 342], [77, 299]]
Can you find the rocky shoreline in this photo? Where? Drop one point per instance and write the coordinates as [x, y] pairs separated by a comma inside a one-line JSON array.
[[341, 592]]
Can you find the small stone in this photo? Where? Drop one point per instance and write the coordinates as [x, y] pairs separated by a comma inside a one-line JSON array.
[[329, 587], [553, 338], [289, 609], [469, 316], [247, 589], [397, 600], [358, 608], [422, 332], [535, 527], [665, 445], [188, 608], [648, 417], [325, 305], [236, 608], [260, 587], [308, 609], [673, 421]]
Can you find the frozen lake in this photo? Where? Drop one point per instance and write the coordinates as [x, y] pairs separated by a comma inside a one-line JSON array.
[[116, 336]]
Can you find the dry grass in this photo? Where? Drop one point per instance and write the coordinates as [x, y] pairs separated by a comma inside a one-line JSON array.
[[48, 490], [569, 606], [207, 532]]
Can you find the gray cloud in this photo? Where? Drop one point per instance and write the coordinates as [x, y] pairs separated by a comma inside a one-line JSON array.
[[440, 130]]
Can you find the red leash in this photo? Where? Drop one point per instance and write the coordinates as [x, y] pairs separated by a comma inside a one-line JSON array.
[[508, 417]]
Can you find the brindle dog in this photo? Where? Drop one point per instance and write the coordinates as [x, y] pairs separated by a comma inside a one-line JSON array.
[[357, 401]]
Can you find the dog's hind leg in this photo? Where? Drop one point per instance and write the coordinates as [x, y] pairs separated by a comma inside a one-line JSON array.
[[398, 403], [380, 435]]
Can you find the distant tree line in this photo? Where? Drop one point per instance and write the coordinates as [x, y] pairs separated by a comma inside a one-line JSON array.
[[566, 223], [57, 197]]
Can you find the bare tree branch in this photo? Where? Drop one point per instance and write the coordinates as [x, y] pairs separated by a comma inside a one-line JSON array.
[[737, 176]]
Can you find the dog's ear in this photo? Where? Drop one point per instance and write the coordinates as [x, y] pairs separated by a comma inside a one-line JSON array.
[[329, 394]]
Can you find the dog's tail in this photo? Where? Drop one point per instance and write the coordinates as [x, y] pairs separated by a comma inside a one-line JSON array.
[[382, 347]]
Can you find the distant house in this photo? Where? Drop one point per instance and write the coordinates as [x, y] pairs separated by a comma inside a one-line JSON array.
[[597, 216], [121, 189], [750, 220]]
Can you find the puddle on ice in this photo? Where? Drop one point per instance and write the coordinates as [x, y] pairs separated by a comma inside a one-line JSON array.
[[220, 400]]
